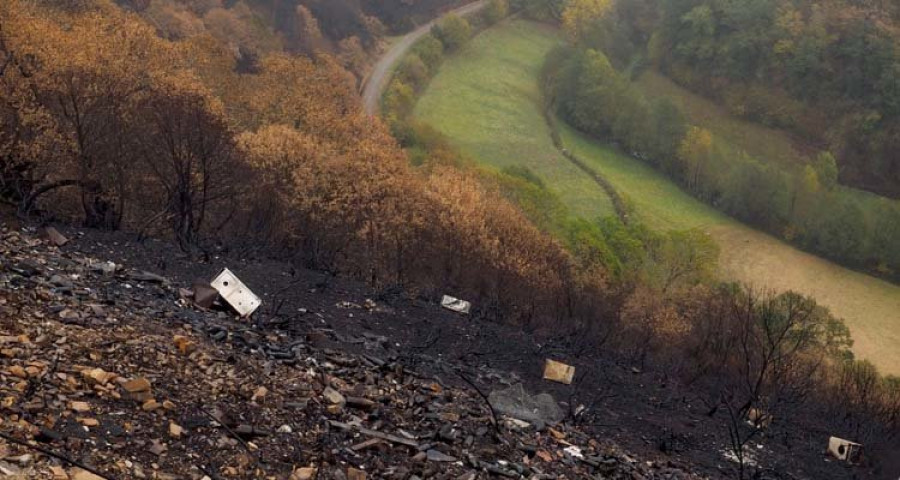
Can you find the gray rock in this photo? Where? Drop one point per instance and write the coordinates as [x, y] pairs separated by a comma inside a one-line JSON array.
[[333, 396], [436, 456], [538, 409], [144, 276], [60, 281]]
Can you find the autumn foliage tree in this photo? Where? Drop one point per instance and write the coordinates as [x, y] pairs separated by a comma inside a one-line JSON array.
[[85, 77], [581, 16]]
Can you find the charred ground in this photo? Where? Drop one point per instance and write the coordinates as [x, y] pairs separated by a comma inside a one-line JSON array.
[[408, 357]]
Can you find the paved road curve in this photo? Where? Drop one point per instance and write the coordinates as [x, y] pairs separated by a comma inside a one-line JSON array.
[[381, 73]]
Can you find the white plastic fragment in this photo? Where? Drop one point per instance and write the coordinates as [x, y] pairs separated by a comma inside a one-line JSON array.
[[233, 291], [455, 304], [574, 451]]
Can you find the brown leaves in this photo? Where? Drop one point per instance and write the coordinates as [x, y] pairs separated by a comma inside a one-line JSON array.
[[162, 133]]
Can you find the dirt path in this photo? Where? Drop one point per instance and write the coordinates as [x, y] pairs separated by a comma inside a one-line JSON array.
[[377, 81]]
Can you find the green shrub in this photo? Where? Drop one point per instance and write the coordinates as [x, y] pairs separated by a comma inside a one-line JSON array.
[[413, 72], [495, 11], [453, 32], [430, 50]]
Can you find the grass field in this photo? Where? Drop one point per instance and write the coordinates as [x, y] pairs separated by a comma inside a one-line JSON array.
[[486, 101]]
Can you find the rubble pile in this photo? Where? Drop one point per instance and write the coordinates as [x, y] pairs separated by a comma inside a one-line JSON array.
[[111, 372]]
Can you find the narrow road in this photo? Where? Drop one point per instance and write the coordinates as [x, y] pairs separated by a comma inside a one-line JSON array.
[[381, 73]]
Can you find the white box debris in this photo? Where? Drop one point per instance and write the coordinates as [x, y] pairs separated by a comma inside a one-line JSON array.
[[236, 293], [844, 450], [455, 304]]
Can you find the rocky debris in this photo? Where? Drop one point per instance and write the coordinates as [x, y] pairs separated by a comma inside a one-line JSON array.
[[107, 366], [54, 237], [305, 473], [142, 276], [204, 294], [539, 410]]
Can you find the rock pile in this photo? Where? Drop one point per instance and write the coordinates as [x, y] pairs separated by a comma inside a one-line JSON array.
[[107, 372]]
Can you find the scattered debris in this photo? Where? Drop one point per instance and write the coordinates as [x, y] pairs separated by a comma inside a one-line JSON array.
[[354, 474], [759, 418], [305, 473], [333, 396], [233, 291], [456, 305], [574, 452], [376, 434], [54, 237], [436, 456], [845, 450], [558, 372], [184, 345], [748, 457], [538, 410], [144, 276], [109, 367], [204, 294]]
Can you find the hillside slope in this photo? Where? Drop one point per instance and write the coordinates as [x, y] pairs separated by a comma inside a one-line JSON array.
[[82, 322], [111, 367]]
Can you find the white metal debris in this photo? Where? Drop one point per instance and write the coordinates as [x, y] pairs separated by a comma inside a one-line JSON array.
[[233, 291], [844, 450], [455, 304]]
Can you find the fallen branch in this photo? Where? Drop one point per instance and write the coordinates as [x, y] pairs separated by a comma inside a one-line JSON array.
[[433, 339], [29, 201], [484, 397], [55, 455], [374, 433]]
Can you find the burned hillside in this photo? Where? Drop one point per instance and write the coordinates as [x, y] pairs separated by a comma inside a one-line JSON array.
[[109, 364]]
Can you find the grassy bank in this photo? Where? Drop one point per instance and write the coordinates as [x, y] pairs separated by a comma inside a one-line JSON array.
[[487, 101]]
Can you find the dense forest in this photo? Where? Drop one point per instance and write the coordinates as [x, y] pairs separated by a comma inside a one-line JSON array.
[[113, 121], [805, 203], [349, 29], [827, 71]]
